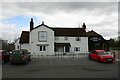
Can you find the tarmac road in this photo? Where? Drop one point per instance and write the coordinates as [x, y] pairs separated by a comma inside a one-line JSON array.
[[61, 68]]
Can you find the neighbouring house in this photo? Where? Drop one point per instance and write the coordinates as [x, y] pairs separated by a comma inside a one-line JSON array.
[[46, 40], [96, 41]]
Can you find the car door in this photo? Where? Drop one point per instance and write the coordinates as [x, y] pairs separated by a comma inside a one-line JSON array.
[[27, 55], [94, 55], [7, 55]]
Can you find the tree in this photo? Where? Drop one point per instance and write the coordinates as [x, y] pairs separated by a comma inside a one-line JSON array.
[[112, 42], [4, 45]]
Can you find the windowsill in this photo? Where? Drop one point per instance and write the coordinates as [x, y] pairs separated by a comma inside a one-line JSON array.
[[42, 51]]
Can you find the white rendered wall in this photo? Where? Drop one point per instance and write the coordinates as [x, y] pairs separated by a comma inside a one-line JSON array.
[[25, 46], [34, 48], [17, 44], [22, 46], [83, 43]]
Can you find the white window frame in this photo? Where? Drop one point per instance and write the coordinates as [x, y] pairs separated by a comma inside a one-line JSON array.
[[43, 48], [42, 34], [18, 47], [76, 49]]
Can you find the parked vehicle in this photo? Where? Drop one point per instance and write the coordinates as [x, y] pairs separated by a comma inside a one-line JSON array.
[[101, 56], [20, 56], [110, 53], [4, 56]]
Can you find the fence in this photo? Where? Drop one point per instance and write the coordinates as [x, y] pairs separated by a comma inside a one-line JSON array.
[[78, 55]]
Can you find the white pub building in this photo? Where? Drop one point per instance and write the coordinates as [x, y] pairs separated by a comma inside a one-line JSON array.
[[45, 40]]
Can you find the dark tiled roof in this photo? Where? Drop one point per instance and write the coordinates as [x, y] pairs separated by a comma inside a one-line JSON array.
[[69, 31], [66, 31], [16, 40], [60, 32], [92, 33], [24, 38]]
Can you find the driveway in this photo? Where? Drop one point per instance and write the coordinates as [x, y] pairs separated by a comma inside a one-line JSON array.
[[61, 68]]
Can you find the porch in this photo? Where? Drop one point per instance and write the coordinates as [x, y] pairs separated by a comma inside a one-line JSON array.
[[62, 48]]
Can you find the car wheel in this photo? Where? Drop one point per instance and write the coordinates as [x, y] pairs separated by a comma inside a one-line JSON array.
[[11, 63], [99, 60], [25, 62], [90, 57], [111, 62], [29, 59]]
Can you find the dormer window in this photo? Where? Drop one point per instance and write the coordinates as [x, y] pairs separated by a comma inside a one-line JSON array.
[[42, 36]]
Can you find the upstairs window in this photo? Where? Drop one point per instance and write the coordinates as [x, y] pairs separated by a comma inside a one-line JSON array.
[[42, 36], [78, 39]]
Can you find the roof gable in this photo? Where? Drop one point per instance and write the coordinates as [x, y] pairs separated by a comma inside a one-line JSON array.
[[40, 26], [92, 33], [24, 38], [66, 31]]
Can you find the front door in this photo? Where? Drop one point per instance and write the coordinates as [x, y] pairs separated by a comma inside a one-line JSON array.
[[67, 49]]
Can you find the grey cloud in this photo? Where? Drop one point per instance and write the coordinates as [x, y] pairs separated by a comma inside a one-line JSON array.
[[51, 7], [93, 9]]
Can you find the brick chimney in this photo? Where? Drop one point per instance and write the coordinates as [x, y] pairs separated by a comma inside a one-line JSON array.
[[31, 24], [84, 26]]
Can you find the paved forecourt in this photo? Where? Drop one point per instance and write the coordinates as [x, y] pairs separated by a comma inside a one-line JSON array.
[[61, 68]]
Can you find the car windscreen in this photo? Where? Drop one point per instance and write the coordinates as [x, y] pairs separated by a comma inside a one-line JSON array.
[[109, 52], [102, 52], [17, 52]]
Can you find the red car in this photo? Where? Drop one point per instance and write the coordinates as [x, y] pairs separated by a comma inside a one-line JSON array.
[[20, 56], [101, 56], [4, 56]]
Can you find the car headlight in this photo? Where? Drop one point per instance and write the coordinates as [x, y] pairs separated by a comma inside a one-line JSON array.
[[102, 57]]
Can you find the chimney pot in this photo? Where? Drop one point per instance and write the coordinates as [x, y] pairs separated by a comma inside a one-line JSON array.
[[43, 22]]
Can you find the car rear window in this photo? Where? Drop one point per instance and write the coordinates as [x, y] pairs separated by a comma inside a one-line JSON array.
[[5, 52], [17, 52], [102, 52]]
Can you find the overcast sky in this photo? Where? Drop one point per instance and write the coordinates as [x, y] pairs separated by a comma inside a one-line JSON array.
[[101, 17]]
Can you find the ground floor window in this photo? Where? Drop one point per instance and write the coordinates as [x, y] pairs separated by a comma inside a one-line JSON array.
[[42, 48], [17, 47], [76, 49]]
